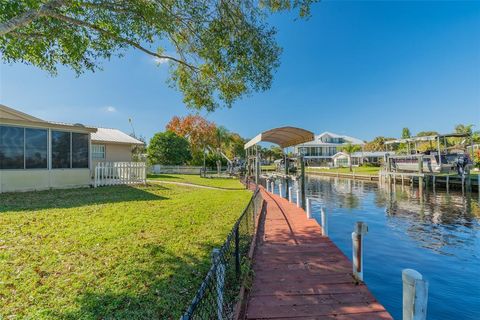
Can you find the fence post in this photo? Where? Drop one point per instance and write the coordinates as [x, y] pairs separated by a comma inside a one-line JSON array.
[[309, 208], [290, 190], [95, 177], [360, 230], [415, 295], [237, 251], [298, 198], [220, 281], [280, 190], [324, 222]]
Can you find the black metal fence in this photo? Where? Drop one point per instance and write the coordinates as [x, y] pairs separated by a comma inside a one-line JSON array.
[[218, 294]]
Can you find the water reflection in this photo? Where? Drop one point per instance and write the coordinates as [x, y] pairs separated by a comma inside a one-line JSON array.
[[438, 220], [437, 233]]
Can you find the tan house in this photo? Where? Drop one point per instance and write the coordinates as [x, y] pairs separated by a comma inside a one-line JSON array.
[[36, 154], [112, 145]]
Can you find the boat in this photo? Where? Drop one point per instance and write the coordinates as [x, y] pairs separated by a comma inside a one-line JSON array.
[[438, 158]]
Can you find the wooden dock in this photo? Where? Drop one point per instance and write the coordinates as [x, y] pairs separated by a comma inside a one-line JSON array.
[[300, 274]]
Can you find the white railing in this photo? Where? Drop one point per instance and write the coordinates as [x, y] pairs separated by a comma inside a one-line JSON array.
[[114, 173], [158, 169]]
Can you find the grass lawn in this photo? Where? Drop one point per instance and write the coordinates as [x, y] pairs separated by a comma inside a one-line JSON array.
[[357, 170], [109, 253], [270, 167], [225, 183]]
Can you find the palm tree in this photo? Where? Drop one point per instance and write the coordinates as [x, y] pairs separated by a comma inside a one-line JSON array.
[[349, 149], [223, 141]]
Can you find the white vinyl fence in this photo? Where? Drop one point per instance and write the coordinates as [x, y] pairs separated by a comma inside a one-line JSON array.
[[158, 169], [113, 173]]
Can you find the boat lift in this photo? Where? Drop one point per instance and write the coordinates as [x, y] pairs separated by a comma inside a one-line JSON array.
[[437, 161], [284, 137]]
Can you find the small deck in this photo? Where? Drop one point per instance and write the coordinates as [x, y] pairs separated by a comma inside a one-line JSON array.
[[300, 274]]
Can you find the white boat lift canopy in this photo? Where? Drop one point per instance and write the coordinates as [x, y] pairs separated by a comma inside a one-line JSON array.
[[428, 138], [285, 137]]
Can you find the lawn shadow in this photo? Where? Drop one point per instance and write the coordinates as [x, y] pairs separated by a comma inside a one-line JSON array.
[[167, 287], [72, 198]]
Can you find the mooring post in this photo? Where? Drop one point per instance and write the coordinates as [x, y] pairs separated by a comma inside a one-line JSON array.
[[448, 182], [287, 171], [303, 180], [415, 295], [360, 230], [309, 208], [324, 222], [280, 190], [290, 190], [267, 182], [220, 281], [272, 187], [420, 175], [298, 198]]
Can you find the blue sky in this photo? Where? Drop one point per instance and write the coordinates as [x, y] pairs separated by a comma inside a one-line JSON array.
[[358, 68]]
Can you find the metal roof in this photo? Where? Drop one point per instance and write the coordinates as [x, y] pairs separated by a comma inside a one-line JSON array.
[[284, 137], [349, 139], [19, 117], [113, 136]]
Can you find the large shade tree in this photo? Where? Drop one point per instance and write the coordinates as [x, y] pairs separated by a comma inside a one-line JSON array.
[[219, 50], [200, 133], [168, 148]]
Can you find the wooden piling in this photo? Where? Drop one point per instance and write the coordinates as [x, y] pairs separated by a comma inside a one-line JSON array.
[[290, 197], [415, 295], [360, 230], [324, 222], [420, 176], [309, 208]]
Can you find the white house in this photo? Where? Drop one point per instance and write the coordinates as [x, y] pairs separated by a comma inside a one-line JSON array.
[[341, 159], [36, 154], [320, 152]]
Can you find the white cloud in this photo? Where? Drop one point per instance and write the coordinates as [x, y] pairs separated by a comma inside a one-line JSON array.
[[110, 109], [160, 60]]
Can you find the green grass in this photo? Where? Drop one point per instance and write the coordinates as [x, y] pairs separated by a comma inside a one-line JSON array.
[[357, 170], [270, 167], [225, 183], [109, 253]]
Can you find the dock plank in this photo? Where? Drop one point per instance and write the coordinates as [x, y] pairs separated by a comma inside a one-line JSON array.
[[301, 274]]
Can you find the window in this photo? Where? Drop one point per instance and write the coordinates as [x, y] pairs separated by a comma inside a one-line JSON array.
[[11, 147], [61, 144], [98, 151], [79, 150], [36, 148]]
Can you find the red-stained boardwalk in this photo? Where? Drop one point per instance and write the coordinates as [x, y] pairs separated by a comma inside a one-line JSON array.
[[300, 274]]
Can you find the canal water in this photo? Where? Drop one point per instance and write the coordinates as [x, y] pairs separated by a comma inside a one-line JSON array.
[[439, 236]]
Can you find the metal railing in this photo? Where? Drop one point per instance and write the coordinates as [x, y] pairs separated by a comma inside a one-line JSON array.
[[218, 294]]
